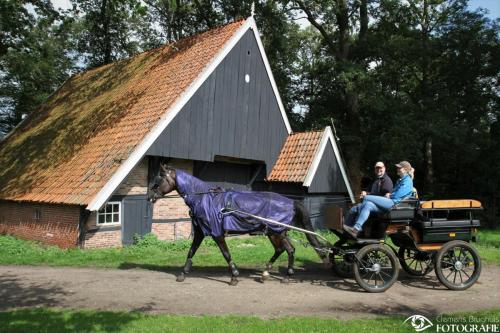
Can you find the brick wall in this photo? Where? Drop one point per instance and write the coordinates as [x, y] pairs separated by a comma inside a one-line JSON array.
[[111, 236], [170, 215], [50, 224], [101, 236], [136, 182], [171, 219]]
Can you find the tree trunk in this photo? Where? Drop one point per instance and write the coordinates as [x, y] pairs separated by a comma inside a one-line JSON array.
[[353, 145], [339, 43], [107, 49]]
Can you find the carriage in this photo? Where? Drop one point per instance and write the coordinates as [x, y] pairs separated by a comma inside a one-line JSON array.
[[419, 236]]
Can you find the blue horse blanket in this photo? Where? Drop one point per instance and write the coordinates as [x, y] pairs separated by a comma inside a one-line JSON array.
[[206, 204]]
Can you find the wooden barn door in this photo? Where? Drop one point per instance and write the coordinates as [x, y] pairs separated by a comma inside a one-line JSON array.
[[137, 218]]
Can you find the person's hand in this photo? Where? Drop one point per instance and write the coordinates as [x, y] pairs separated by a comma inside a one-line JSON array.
[[388, 195], [362, 195]]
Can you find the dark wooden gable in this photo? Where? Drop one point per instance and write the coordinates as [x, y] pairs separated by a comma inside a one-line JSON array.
[[328, 177], [228, 116]]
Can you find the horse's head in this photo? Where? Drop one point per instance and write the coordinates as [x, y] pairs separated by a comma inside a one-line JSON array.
[[162, 184]]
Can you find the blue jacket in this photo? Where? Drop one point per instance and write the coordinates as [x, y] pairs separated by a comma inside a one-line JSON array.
[[403, 189]]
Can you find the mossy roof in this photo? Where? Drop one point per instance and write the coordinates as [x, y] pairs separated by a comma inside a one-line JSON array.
[[68, 149]]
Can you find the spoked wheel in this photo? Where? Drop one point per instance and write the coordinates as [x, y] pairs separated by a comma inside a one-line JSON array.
[[376, 269], [340, 266], [414, 262], [458, 265]]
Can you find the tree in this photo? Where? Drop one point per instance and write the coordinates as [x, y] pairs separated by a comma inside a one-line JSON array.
[[33, 58], [344, 30], [108, 29]]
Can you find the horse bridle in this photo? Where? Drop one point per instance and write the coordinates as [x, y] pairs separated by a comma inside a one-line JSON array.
[[167, 176]]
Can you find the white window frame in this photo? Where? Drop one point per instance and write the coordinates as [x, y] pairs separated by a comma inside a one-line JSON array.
[[99, 213]]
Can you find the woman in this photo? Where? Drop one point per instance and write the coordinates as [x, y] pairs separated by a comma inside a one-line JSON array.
[[376, 204]]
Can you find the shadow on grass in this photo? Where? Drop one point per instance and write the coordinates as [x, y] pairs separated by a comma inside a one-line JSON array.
[[44, 320]]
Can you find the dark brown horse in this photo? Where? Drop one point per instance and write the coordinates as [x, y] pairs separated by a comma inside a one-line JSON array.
[[206, 206]]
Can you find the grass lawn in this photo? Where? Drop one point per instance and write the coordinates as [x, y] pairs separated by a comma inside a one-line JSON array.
[[247, 252], [53, 321]]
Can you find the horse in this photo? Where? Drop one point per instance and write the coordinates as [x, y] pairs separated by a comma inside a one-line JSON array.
[[207, 210]]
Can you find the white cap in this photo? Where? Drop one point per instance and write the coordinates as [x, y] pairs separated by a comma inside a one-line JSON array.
[[379, 164]]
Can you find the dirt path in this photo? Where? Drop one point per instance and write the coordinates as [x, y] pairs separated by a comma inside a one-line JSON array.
[[207, 292]]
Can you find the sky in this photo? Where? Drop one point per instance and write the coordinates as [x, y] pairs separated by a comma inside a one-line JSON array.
[[493, 6]]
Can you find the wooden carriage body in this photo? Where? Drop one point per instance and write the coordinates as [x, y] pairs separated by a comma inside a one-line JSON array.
[[431, 235]]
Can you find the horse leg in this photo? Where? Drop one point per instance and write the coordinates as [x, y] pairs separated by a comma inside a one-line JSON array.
[[197, 239], [290, 250], [221, 242], [278, 250]]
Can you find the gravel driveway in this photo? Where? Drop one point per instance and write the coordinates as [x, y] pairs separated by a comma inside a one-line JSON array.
[[314, 292]]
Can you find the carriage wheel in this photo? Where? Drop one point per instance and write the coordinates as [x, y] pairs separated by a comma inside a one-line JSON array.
[[414, 262], [376, 268], [458, 265], [340, 266]]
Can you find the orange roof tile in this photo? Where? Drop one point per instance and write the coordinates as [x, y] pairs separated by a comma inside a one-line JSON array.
[[296, 157], [71, 146]]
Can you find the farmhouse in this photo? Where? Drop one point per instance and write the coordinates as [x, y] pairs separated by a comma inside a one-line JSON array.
[[76, 172]]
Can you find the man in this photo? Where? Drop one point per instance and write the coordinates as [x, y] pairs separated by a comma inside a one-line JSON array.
[[381, 186]]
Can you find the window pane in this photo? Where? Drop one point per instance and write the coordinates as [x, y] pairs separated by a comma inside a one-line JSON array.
[[116, 218], [108, 218], [116, 208], [99, 218]]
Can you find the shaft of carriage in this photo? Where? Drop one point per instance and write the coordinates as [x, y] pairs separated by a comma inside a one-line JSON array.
[[327, 248]]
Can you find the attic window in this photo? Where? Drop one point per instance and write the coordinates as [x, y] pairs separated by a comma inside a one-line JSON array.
[[37, 215], [109, 214]]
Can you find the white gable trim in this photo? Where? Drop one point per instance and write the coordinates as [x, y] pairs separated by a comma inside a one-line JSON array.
[[151, 137], [328, 137]]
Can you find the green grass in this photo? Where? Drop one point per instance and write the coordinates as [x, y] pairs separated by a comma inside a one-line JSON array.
[[248, 252], [53, 321]]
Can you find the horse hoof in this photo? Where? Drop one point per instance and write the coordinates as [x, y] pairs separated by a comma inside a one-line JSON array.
[[233, 282], [180, 278], [265, 276], [286, 280]]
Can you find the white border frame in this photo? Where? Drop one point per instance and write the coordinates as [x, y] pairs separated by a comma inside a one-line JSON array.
[[141, 149], [328, 137], [119, 214]]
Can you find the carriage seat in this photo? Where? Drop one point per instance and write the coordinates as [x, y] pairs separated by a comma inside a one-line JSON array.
[[403, 211]]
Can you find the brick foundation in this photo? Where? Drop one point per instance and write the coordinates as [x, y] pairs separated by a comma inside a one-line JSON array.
[[50, 224], [58, 224], [101, 236], [172, 231]]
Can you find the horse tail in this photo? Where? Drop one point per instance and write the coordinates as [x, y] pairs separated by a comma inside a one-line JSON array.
[[302, 220]]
